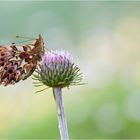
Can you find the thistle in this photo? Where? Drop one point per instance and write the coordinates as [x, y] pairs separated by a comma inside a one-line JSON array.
[[58, 71]]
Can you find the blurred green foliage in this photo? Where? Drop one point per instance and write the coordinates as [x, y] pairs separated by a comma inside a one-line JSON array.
[[104, 40]]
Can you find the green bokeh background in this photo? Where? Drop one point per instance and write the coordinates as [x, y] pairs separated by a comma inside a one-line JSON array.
[[104, 40]]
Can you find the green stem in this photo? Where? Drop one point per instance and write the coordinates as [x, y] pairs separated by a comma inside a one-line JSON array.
[[57, 92]]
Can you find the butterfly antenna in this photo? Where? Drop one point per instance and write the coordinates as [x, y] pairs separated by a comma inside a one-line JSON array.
[[25, 37], [19, 42]]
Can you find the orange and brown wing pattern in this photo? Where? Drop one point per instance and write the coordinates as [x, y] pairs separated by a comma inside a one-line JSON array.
[[18, 64], [10, 70]]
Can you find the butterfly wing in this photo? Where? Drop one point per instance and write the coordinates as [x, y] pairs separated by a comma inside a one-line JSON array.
[[9, 69], [16, 65]]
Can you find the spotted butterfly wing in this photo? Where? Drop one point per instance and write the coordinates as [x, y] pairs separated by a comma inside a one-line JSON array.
[[16, 65]]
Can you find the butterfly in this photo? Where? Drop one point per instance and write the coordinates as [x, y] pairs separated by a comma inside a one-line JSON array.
[[17, 64]]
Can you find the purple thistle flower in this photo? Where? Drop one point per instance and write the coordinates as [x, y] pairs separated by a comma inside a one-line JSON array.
[[56, 57], [58, 70]]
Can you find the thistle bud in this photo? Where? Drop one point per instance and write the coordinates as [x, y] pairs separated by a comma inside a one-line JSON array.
[[58, 70]]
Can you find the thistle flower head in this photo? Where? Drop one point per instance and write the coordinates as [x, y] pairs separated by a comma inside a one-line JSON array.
[[58, 70]]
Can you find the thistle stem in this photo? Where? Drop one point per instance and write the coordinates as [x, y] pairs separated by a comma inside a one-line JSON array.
[[57, 92]]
